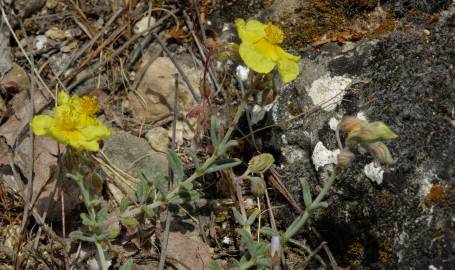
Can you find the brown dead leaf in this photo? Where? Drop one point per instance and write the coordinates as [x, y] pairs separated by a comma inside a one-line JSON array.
[[20, 109], [44, 177]]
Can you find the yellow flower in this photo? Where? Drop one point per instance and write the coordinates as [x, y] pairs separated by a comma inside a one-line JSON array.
[[72, 122], [260, 52]]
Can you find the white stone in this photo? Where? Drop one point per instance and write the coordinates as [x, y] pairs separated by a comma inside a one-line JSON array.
[[143, 24], [323, 156], [333, 123], [328, 91], [242, 72], [40, 42], [374, 172]]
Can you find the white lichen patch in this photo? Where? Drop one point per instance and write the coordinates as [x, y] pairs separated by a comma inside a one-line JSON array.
[[374, 172], [323, 156], [361, 115], [328, 91], [242, 72]]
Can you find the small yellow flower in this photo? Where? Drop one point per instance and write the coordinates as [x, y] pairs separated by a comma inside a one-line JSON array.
[[260, 52], [72, 122]]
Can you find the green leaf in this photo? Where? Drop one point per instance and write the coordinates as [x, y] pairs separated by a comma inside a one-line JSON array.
[[264, 262], [187, 186], [238, 217], [246, 236], [148, 211], [79, 235], [103, 235], [214, 265], [268, 231], [306, 192], [176, 200], [142, 190], [214, 132], [86, 220], [101, 215], [128, 265], [175, 164], [130, 221], [223, 165], [193, 156], [114, 233], [124, 203], [252, 217]]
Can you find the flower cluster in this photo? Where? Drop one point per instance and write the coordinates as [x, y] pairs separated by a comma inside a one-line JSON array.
[[260, 51], [72, 122]]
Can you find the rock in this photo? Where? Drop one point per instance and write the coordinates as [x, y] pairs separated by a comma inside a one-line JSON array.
[[407, 82], [196, 257], [143, 24], [322, 156], [154, 98], [5, 53], [16, 78], [328, 91], [158, 139], [183, 132], [40, 42], [133, 154]]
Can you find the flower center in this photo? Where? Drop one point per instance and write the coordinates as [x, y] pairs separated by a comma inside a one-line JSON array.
[[89, 105], [273, 34]]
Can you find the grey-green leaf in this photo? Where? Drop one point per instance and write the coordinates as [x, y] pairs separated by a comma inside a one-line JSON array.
[[223, 165], [128, 265], [238, 217], [214, 132], [176, 165], [306, 192], [214, 265]]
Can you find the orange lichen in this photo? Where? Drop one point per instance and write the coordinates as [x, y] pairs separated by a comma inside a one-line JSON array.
[[438, 195]]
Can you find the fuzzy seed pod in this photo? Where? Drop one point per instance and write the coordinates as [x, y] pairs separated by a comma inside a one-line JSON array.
[[376, 131]]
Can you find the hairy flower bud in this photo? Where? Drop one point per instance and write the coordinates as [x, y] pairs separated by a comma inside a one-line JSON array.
[[351, 123], [381, 152], [257, 186], [345, 157], [376, 131], [260, 163], [275, 250]]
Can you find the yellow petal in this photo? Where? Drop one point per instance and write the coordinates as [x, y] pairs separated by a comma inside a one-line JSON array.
[[255, 59], [283, 54], [268, 49], [62, 98], [95, 132], [87, 145], [252, 31], [289, 70], [274, 34], [41, 124]]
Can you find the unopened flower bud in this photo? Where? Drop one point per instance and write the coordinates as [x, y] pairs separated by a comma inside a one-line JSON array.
[[257, 186], [351, 123], [381, 152], [260, 163], [345, 157]]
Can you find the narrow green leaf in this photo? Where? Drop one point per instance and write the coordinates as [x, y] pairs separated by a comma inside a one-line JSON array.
[[101, 215], [223, 165], [176, 200], [142, 190], [268, 231], [228, 145], [124, 203], [79, 235], [214, 132], [175, 164], [306, 192], [264, 262], [252, 217], [193, 156], [321, 205], [238, 217], [86, 220], [148, 211]]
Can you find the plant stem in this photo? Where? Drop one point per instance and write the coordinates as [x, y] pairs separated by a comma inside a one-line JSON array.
[[301, 220], [102, 259]]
